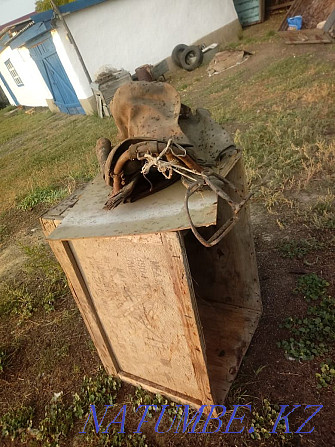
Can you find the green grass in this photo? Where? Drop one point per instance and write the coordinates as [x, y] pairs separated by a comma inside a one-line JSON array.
[[39, 285], [311, 287], [16, 423], [47, 152], [244, 40], [142, 397], [282, 113], [64, 417], [326, 376], [41, 195]]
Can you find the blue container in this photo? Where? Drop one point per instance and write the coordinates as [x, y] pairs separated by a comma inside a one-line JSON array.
[[295, 22]]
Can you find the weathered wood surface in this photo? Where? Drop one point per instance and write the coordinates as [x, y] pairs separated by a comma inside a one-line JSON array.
[[306, 36], [274, 5], [227, 273], [162, 211], [143, 299], [50, 222], [85, 304], [228, 331], [228, 293], [54, 216]]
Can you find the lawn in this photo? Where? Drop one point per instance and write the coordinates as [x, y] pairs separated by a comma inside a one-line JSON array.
[[280, 107]]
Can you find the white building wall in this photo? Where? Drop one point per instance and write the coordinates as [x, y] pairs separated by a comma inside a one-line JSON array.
[[130, 33], [70, 62], [34, 90]]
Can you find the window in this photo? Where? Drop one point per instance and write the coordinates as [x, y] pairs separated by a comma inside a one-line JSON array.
[[13, 72]]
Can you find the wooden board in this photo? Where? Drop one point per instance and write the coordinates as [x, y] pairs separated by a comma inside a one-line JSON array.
[[228, 331], [85, 304], [49, 222], [162, 211], [228, 293], [144, 302], [227, 273], [306, 36], [53, 217], [277, 5]]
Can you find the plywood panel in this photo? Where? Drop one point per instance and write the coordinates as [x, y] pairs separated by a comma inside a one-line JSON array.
[[227, 273], [49, 222], [140, 289], [228, 331], [85, 304]]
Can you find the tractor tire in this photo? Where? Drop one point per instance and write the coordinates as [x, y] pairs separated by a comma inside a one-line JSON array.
[[177, 52], [191, 58]]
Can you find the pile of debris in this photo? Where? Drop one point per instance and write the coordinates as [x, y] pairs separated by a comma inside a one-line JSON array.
[[227, 59], [108, 79], [318, 22]]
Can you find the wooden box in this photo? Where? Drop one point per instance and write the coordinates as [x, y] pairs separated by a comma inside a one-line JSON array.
[[163, 311]]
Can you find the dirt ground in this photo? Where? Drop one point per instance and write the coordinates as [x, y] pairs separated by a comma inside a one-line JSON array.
[[60, 340]]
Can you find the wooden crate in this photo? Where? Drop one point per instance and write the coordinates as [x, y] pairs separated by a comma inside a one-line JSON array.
[[164, 312]]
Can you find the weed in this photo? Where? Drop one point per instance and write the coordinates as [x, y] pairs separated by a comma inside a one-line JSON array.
[[299, 248], [142, 397], [270, 33], [41, 195], [3, 359], [326, 376], [311, 286], [323, 212], [16, 423], [116, 439], [16, 300], [314, 334], [183, 87], [60, 417], [57, 422], [4, 231], [101, 390], [263, 423]]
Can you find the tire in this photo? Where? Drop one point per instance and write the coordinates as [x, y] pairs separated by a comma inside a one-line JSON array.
[[191, 58], [177, 52]]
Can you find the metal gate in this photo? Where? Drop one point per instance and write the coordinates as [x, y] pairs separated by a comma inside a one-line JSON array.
[[45, 55]]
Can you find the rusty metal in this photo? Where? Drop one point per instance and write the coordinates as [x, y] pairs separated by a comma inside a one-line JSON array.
[[144, 73], [102, 150]]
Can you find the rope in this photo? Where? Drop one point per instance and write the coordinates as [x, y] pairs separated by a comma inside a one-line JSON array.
[[199, 180]]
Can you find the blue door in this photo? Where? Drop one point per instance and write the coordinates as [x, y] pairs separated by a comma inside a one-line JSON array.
[[45, 55]]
